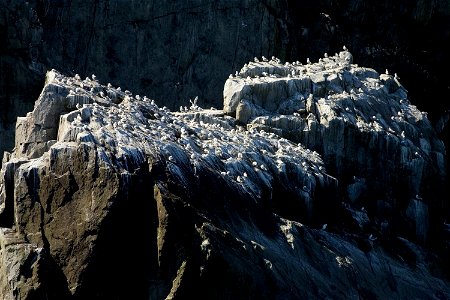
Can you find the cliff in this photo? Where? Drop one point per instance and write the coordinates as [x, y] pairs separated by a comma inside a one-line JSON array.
[[313, 181]]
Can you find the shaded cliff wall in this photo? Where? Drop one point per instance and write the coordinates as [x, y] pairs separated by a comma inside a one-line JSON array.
[[176, 50]]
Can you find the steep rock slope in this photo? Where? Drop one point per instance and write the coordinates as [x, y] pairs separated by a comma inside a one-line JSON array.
[[106, 195]]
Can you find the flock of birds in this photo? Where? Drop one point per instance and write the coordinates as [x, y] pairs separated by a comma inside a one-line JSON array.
[[128, 129], [356, 101]]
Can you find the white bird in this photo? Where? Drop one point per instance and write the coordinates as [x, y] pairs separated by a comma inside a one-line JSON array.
[[345, 48], [326, 54], [324, 226], [94, 77], [256, 59], [308, 61], [387, 72]]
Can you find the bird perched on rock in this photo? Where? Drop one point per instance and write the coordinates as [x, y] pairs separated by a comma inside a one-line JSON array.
[[344, 48], [308, 61], [387, 72]]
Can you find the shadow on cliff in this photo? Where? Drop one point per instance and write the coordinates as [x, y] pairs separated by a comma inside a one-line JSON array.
[[124, 261]]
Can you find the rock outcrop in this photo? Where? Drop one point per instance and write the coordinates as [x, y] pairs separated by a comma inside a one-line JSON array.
[[383, 150], [107, 195]]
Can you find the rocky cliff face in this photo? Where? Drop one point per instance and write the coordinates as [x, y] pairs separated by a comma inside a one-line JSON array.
[[107, 195], [177, 50], [379, 146]]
